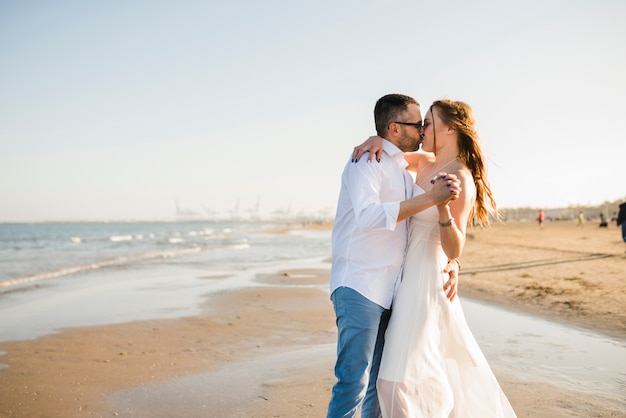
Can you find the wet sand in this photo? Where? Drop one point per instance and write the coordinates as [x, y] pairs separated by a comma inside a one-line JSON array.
[[564, 272], [269, 351]]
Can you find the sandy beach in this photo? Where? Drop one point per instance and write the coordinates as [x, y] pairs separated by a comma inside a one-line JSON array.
[[268, 350]]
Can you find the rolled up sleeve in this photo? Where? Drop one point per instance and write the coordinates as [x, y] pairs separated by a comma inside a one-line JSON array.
[[364, 182]]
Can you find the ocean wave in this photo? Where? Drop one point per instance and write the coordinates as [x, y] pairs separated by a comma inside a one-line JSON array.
[[120, 238], [171, 253], [243, 246], [174, 237]]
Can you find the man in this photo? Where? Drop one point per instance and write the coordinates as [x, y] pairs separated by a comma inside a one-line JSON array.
[[369, 241]]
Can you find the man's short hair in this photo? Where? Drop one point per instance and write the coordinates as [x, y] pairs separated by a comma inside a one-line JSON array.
[[390, 108]]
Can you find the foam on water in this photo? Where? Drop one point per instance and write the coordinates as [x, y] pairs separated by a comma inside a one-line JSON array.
[[36, 252]]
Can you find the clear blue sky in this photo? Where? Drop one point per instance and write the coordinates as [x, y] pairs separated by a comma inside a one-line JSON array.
[[116, 109]]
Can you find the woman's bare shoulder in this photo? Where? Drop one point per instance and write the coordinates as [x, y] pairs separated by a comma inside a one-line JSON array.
[[467, 180]]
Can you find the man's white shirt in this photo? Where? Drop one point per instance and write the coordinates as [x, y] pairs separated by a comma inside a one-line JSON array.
[[368, 245]]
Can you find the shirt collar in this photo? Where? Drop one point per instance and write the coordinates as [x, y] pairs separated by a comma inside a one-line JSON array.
[[394, 152]]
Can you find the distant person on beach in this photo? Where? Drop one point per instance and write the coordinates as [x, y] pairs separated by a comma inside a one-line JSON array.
[[431, 364], [540, 219], [621, 220], [369, 240], [581, 218]]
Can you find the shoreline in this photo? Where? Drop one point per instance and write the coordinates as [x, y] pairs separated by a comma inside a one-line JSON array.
[[165, 366], [563, 273], [275, 336]]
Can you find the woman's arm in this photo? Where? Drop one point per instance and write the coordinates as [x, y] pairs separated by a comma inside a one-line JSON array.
[[453, 217], [416, 159], [373, 145]]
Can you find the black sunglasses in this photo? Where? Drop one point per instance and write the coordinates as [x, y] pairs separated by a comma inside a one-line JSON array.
[[418, 125]]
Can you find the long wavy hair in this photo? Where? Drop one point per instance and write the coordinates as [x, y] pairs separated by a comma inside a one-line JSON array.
[[459, 116]]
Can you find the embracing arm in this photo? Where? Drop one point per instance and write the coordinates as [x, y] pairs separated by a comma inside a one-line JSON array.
[[446, 188], [373, 145], [451, 286], [453, 240], [453, 218]]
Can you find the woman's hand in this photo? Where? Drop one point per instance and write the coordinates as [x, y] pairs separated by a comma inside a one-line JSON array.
[[373, 145]]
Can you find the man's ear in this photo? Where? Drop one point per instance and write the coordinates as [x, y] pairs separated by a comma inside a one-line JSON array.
[[393, 129]]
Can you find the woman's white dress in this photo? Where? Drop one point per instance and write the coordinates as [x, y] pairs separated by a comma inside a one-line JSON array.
[[431, 365]]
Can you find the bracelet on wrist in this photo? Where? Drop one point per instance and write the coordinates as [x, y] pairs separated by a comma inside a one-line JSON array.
[[456, 260], [450, 222]]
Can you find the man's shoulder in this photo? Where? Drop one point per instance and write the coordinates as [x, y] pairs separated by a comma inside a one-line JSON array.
[[364, 164]]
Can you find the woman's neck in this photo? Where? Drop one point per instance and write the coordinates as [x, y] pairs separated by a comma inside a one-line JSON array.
[[445, 157]]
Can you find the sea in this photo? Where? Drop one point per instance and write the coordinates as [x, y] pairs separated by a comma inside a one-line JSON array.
[[32, 253], [59, 275]]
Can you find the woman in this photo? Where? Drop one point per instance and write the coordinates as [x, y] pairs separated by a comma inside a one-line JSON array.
[[432, 365], [621, 219]]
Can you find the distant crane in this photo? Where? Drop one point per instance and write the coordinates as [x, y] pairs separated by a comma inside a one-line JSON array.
[[184, 214], [234, 212], [210, 213], [282, 213], [254, 212]]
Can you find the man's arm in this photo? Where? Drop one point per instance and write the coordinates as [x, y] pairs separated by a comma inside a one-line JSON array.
[[446, 187], [363, 182], [453, 268]]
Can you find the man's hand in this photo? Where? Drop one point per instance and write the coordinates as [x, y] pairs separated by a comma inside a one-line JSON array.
[[451, 286], [446, 187]]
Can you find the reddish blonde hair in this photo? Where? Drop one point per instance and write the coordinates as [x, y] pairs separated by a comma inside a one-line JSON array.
[[459, 116]]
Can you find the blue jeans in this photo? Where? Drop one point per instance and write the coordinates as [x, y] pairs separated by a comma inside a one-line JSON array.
[[361, 324]]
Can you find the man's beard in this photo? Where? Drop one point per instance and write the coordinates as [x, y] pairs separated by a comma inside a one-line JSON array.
[[410, 145]]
